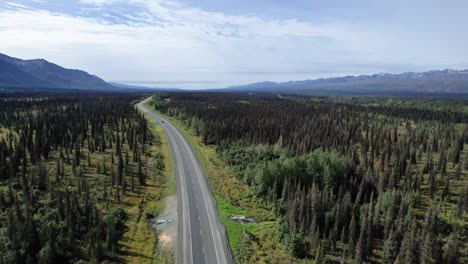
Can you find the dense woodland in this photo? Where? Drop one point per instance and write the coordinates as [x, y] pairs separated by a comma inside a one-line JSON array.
[[66, 160], [349, 181]]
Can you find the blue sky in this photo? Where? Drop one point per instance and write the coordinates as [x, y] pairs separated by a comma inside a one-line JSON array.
[[211, 44]]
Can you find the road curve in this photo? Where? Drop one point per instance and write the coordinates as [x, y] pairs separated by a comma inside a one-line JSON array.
[[201, 236]]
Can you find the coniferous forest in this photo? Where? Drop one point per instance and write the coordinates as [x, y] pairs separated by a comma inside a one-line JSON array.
[[67, 163], [350, 181]]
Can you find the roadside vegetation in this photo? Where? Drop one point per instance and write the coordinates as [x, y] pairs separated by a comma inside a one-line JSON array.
[[257, 243], [360, 180], [80, 174]]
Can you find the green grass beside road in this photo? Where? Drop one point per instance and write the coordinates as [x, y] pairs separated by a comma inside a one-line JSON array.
[[249, 243]]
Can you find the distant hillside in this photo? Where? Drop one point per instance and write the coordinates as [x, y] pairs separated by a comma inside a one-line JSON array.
[[41, 73], [444, 81], [139, 87]]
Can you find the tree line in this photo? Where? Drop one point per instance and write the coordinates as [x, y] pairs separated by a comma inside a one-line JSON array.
[[350, 182], [65, 162]]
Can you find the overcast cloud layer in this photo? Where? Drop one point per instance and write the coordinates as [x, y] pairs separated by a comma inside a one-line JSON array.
[[210, 44]]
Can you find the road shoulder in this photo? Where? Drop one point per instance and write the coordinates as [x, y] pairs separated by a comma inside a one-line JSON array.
[[249, 243], [141, 241]]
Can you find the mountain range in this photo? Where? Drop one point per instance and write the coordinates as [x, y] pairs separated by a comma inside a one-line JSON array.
[[437, 81], [40, 73]]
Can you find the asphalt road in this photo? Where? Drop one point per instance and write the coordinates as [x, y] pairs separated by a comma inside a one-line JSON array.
[[201, 236]]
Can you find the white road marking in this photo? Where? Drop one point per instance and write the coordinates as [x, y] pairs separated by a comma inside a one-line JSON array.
[[173, 133]]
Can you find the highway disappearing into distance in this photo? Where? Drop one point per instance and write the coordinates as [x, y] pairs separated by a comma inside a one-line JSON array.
[[201, 236]]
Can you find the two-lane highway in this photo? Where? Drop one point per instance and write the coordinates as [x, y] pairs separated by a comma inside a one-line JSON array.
[[201, 236]]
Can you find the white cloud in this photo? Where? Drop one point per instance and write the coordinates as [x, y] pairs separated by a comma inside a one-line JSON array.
[[167, 41], [13, 4], [100, 2]]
